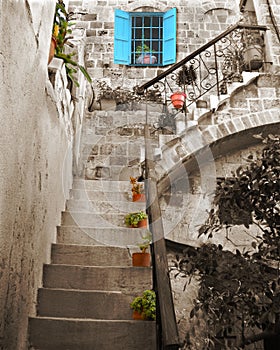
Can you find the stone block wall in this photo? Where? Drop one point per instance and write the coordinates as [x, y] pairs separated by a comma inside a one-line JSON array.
[[113, 144], [197, 23], [35, 158], [194, 204]]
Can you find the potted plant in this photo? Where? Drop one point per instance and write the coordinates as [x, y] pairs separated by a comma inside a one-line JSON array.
[[253, 52], [145, 54], [61, 32], [178, 99], [144, 306], [137, 219], [137, 190], [143, 258]]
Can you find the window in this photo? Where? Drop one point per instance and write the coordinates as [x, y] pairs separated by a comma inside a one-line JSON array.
[[145, 38]]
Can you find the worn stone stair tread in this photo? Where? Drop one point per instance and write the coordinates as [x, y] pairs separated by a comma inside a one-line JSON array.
[[90, 255], [118, 236], [109, 292], [100, 195], [126, 229], [104, 206], [50, 333], [71, 303], [91, 320], [102, 185], [92, 219], [124, 278], [93, 267]]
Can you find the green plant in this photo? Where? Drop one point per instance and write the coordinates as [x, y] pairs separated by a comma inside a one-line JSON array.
[[143, 48], [62, 33], [132, 219], [147, 240], [145, 305], [240, 290]]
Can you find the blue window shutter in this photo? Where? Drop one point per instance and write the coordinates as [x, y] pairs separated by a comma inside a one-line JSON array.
[[169, 37], [122, 37]]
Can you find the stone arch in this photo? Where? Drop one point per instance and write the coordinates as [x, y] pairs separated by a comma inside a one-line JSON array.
[[146, 5], [184, 149], [223, 12], [210, 5]]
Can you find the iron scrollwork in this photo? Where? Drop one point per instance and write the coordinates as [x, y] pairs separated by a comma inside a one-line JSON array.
[[220, 63]]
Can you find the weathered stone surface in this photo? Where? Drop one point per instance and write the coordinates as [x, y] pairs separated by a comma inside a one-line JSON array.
[[84, 304], [92, 334], [67, 254], [34, 154], [106, 278], [121, 236]]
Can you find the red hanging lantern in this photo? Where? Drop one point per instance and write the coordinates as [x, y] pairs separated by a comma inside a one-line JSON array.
[[178, 99]]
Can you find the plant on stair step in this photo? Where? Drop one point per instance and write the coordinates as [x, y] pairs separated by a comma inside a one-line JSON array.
[[143, 258], [145, 306], [136, 219], [137, 190]]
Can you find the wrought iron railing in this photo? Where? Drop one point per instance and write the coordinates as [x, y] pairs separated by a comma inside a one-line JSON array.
[[213, 66]]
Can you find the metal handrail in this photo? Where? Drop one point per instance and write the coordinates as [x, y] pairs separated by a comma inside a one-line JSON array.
[[209, 69], [167, 331]]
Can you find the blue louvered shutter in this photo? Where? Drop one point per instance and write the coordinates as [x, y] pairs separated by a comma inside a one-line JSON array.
[[122, 38], [169, 37]]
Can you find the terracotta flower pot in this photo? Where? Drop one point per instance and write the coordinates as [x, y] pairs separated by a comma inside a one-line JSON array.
[[137, 316], [141, 259], [138, 197], [142, 223], [148, 59], [178, 99], [52, 49]]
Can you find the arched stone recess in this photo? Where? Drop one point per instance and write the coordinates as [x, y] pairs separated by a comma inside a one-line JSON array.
[[222, 12], [146, 6], [195, 161], [210, 5]]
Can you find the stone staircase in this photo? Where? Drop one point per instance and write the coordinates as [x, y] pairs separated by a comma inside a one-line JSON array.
[[84, 303]]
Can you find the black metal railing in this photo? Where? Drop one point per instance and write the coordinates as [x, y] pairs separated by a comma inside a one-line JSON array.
[[213, 66], [167, 331]]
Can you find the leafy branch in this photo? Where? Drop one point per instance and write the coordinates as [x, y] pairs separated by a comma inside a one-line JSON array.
[[239, 292]]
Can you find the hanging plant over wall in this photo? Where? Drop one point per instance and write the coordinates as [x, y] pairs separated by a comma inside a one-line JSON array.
[[62, 33]]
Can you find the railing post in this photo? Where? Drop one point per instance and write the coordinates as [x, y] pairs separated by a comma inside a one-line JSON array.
[[216, 69], [168, 326]]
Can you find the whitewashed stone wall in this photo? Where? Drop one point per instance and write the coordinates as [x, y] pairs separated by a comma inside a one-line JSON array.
[[35, 157], [197, 23]]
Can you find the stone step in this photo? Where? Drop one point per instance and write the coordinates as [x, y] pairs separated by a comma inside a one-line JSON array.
[[121, 236], [86, 195], [92, 220], [75, 218], [84, 304], [77, 334], [89, 206], [102, 185], [71, 254], [109, 278]]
